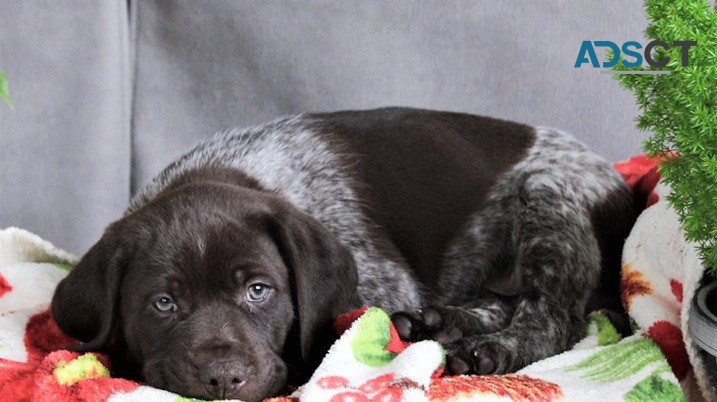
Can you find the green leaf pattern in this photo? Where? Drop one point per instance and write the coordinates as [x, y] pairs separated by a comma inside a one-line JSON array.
[[655, 388], [606, 332], [623, 360], [372, 336]]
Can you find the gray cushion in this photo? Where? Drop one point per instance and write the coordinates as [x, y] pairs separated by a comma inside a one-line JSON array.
[[65, 147], [204, 66]]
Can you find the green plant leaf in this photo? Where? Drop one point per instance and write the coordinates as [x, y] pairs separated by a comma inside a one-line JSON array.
[[679, 110]]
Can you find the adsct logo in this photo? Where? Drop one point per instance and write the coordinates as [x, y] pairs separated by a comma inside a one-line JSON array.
[[631, 50]]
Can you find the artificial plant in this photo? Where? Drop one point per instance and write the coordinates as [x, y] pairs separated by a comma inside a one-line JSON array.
[[680, 111], [5, 90]]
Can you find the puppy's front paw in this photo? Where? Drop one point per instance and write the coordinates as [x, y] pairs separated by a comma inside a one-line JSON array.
[[466, 352], [432, 323]]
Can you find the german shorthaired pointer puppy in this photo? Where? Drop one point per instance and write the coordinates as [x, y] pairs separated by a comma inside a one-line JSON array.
[[224, 275]]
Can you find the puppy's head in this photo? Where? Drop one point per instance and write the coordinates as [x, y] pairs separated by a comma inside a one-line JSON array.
[[199, 291]]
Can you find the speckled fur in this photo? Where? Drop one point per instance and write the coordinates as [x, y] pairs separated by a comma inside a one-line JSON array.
[[536, 236], [534, 240], [289, 158]]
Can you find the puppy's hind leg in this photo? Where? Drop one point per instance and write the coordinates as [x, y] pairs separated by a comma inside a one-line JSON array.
[[551, 259], [557, 258], [535, 241]]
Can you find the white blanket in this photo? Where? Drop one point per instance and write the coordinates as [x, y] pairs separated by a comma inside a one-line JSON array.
[[660, 271]]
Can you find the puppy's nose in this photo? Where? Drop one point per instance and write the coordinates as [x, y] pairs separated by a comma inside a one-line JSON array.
[[222, 379]]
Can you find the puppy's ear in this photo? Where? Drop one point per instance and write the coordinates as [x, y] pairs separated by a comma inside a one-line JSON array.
[[85, 303], [321, 269]]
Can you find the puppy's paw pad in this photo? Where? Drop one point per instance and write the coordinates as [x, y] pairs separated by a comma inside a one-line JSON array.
[[484, 359], [483, 362], [403, 324], [418, 324], [458, 366]]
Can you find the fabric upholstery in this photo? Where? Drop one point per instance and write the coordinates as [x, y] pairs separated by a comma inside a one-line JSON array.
[[106, 95]]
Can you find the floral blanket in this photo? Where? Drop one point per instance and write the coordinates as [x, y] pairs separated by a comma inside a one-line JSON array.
[[369, 362]]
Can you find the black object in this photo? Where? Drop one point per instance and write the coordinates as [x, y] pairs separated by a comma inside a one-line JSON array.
[[703, 318]]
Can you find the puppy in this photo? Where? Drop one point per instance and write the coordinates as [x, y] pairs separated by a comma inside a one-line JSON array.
[[224, 275]]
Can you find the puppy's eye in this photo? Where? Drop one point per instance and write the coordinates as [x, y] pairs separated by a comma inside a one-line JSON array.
[[165, 304], [257, 292]]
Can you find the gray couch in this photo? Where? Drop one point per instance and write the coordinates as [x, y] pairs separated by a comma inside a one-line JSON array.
[[106, 93]]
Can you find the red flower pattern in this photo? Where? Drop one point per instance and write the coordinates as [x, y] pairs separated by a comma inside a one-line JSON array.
[[35, 380], [669, 338], [384, 388], [5, 286]]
